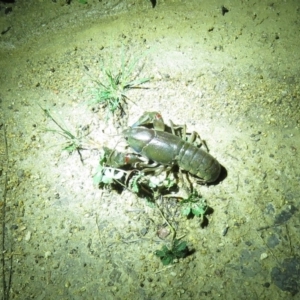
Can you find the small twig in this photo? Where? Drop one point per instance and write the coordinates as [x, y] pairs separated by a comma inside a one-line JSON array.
[[131, 241], [6, 284], [164, 269], [171, 227], [289, 239]]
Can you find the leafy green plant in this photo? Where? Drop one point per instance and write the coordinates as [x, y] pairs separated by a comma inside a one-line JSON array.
[[115, 82], [194, 205], [106, 175], [110, 172], [178, 250], [165, 183], [136, 182]]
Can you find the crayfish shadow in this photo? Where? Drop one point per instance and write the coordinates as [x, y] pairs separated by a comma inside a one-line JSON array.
[[222, 176], [190, 252], [114, 187]]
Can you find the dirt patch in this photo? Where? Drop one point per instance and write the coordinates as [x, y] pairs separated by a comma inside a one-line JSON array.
[[226, 76]]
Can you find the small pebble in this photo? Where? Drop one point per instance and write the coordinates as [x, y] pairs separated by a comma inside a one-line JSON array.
[[27, 236], [47, 254], [263, 256]]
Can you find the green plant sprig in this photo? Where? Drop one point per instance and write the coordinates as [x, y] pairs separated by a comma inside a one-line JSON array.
[[74, 142], [169, 255], [194, 205], [177, 250], [111, 89]]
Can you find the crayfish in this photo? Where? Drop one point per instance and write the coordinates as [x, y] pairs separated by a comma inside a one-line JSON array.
[[156, 150]]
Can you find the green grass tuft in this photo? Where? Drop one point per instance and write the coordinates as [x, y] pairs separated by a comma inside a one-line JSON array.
[[114, 83], [73, 141]]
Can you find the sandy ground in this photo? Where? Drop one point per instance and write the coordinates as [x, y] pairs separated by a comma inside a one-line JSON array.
[[232, 77]]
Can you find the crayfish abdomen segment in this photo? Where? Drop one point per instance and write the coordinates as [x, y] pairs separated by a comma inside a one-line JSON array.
[[198, 162]]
